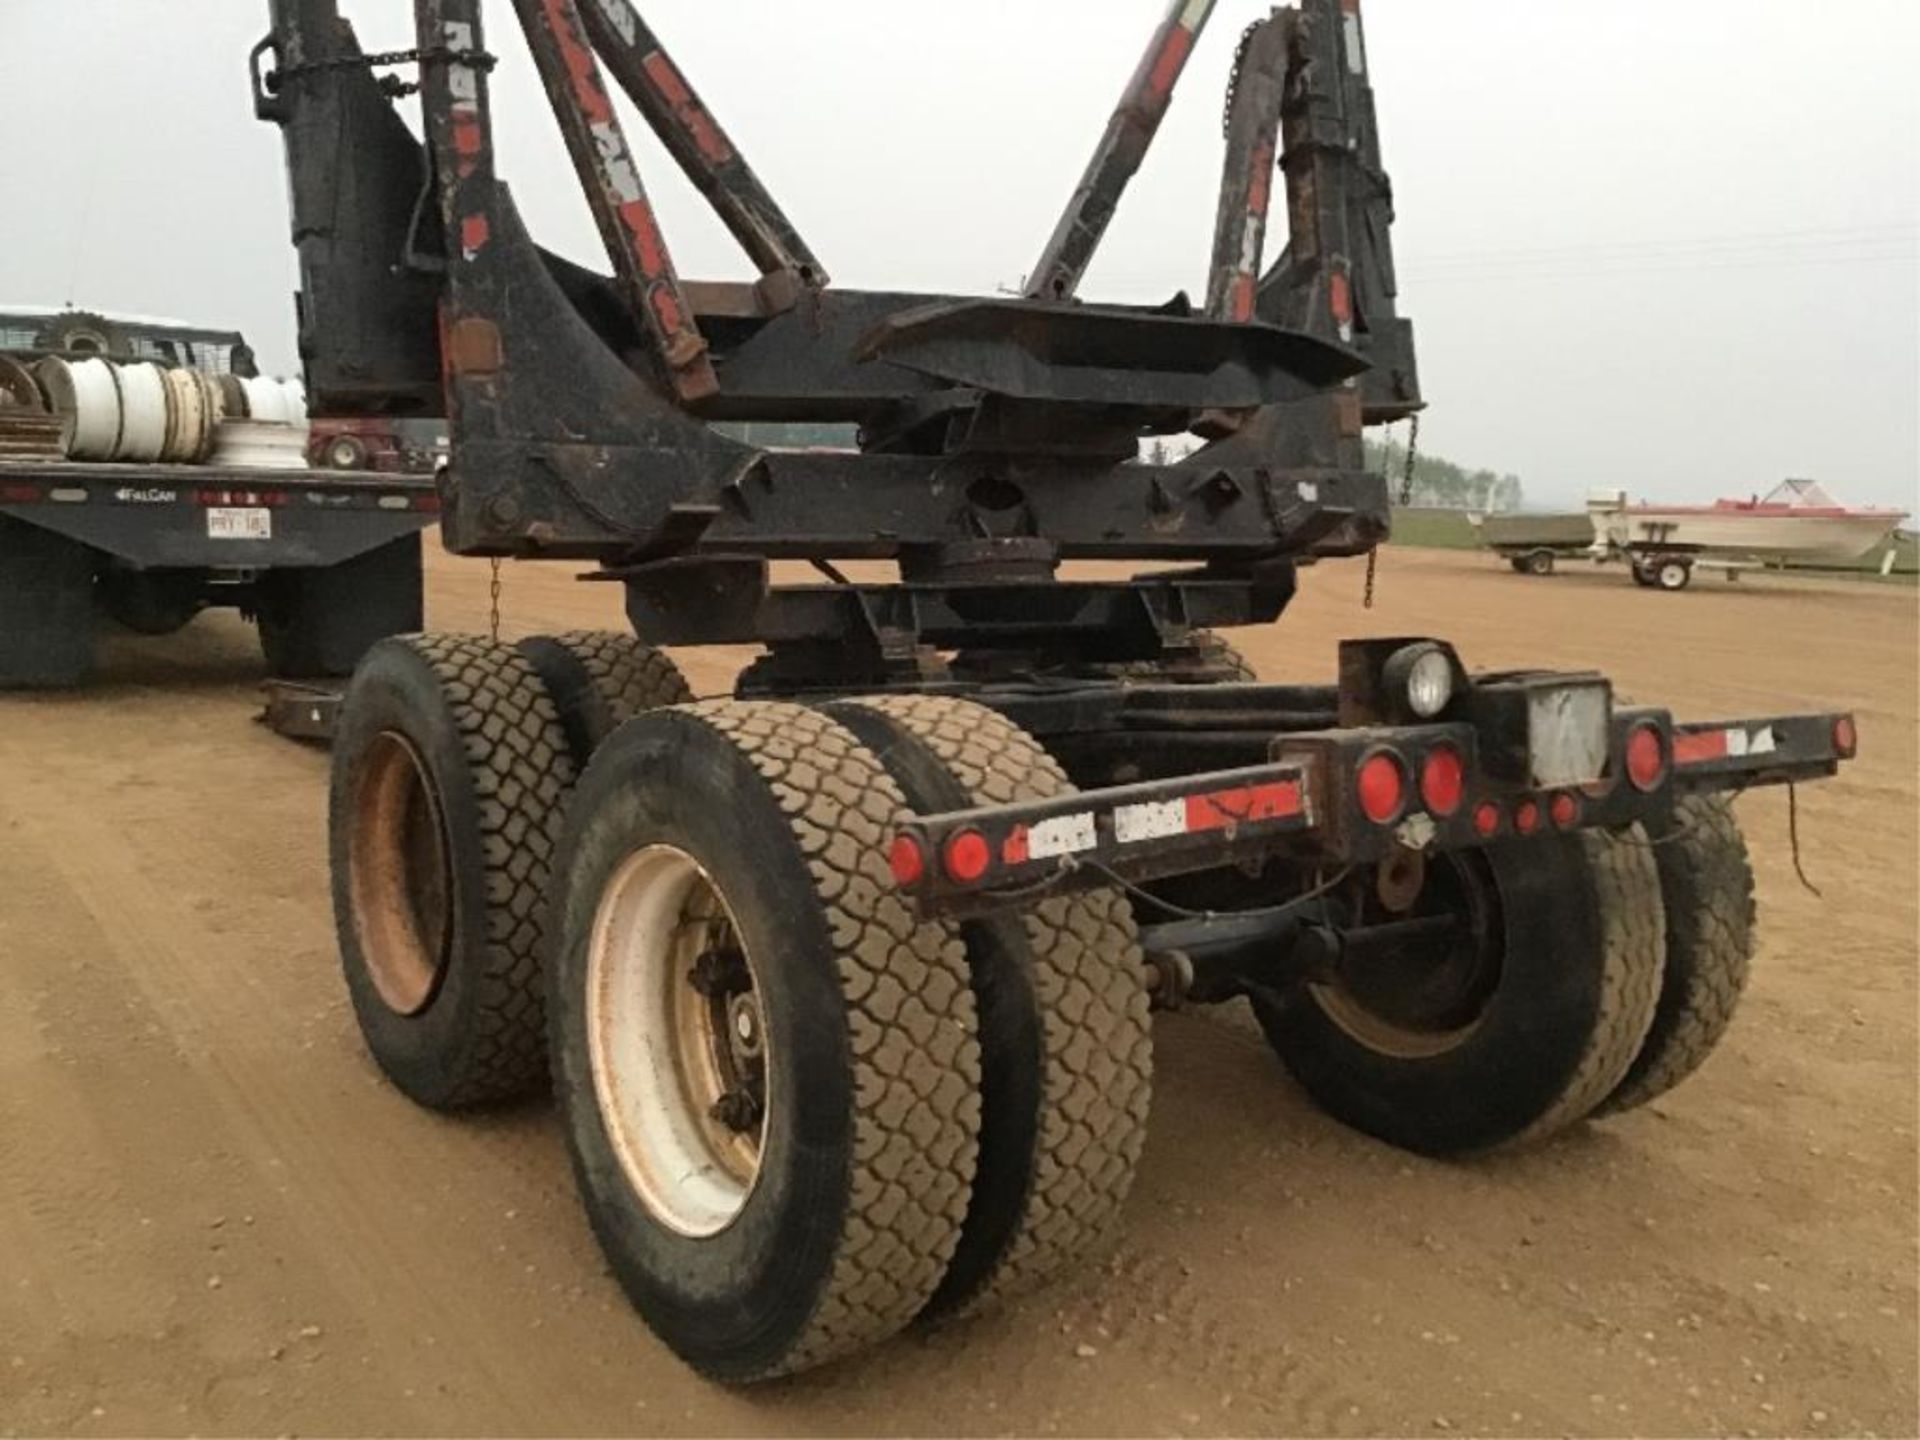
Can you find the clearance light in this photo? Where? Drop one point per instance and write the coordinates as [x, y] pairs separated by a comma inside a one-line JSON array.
[[1526, 817], [1846, 737], [1486, 820], [1382, 786], [1565, 810]]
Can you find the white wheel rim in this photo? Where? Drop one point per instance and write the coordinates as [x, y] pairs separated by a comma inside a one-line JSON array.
[[143, 413], [663, 1052]]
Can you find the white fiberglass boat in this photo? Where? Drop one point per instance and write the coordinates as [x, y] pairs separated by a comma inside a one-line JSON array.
[[1797, 521]]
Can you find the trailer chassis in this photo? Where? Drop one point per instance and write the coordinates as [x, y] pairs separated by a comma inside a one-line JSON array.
[[1439, 887]]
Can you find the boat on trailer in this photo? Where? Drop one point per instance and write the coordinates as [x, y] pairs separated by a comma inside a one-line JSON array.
[[1798, 520]]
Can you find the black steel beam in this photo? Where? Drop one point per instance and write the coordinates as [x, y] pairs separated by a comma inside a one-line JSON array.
[[636, 59], [1246, 187], [610, 175], [1120, 154]]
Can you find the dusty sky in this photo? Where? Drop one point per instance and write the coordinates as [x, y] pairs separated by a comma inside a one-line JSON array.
[[1674, 247]]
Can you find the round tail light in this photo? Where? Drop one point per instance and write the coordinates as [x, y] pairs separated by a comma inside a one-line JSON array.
[[1526, 817], [967, 857], [1646, 757], [1443, 780], [908, 858], [1382, 786]]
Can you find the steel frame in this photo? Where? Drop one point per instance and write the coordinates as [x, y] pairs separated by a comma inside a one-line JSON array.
[[998, 436]]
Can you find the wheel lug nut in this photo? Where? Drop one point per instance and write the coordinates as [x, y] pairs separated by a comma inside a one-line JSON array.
[[737, 1110]]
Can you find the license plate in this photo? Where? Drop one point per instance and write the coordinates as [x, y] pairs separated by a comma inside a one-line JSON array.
[[1567, 729], [234, 524]]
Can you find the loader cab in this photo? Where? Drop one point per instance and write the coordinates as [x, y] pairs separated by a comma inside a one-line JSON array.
[[83, 333]]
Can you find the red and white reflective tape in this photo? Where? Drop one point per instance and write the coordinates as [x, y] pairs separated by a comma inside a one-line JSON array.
[[1051, 839], [1214, 810], [1703, 747]]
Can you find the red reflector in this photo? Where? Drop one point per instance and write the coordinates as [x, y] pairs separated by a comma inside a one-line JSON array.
[[1382, 784], [1846, 738], [1565, 810], [1646, 757], [426, 502], [1443, 780], [1526, 817], [909, 861], [968, 857], [1486, 820], [20, 494]]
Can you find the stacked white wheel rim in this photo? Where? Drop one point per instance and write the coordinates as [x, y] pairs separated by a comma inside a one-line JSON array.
[[193, 408], [260, 445], [143, 413], [86, 395]]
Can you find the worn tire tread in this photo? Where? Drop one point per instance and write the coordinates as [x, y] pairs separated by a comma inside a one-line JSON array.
[[1706, 880], [912, 1029], [521, 774], [631, 676], [1633, 948], [1096, 1037]]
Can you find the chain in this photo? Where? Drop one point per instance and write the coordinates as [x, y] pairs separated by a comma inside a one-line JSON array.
[[1413, 459], [1233, 76], [493, 599], [1406, 499], [389, 84]]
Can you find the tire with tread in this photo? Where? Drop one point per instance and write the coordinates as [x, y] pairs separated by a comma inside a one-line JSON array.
[[495, 757], [600, 679], [1066, 1040], [1583, 937], [1706, 885], [46, 608], [873, 1111]]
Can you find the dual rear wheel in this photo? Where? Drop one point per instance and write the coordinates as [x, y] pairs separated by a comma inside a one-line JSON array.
[[1582, 977], [800, 1117]]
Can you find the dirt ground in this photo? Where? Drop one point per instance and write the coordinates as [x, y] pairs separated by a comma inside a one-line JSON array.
[[215, 1218]]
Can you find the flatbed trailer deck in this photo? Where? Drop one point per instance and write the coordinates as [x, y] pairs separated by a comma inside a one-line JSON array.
[[326, 561]]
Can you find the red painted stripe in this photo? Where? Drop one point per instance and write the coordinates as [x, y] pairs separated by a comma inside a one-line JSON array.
[[1340, 297], [1246, 298], [1248, 805], [1172, 60], [1698, 749], [687, 110], [1260, 196], [1013, 851], [582, 70]]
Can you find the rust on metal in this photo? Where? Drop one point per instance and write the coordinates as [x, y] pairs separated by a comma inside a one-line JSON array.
[[474, 347], [598, 145], [640, 64], [1121, 152], [1246, 190]]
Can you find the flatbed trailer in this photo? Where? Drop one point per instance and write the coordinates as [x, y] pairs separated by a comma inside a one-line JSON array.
[[325, 562], [843, 983]]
